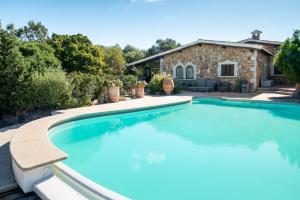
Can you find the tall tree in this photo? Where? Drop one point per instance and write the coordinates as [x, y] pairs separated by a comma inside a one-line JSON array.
[[77, 53], [114, 60], [162, 46], [132, 53], [33, 32], [13, 72], [288, 59], [39, 56]]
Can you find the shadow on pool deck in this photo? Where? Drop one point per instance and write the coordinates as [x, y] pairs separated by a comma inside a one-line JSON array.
[[7, 179], [8, 187]]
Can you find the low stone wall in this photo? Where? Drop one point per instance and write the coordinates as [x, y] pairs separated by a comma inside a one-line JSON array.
[[23, 117]]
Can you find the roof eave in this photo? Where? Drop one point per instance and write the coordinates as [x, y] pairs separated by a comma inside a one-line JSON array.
[[220, 43]]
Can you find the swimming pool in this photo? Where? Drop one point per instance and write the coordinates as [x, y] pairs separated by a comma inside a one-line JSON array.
[[207, 149]]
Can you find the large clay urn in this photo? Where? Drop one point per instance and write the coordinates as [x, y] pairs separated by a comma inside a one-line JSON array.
[[114, 94], [168, 86], [139, 92]]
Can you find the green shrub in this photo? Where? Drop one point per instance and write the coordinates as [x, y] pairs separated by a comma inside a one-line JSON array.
[[101, 86], [129, 82], [177, 87], [48, 90], [155, 84], [84, 87]]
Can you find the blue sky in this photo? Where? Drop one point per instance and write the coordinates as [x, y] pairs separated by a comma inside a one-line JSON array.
[[141, 22]]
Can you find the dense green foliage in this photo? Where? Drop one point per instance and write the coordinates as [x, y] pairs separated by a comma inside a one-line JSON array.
[[129, 82], [77, 53], [162, 46], [13, 72], [155, 84], [177, 87], [132, 54], [83, 88], [49, 89], [288, 58], [39, 56], [64, 70], [114, 60]]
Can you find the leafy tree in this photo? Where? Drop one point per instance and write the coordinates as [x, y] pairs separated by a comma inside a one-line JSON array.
[[77, 53], [132, 54], [162, 46], [39, 56], [114, 60], [11, 28], [13, 72], [288, 59], [32, 32]]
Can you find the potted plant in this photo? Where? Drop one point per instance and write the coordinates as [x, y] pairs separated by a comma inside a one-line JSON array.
[[168, 85], [238, 85], [114, 90], [140, 89]]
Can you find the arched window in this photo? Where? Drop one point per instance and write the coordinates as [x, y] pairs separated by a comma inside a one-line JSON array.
[[189, 72], [179, 72]]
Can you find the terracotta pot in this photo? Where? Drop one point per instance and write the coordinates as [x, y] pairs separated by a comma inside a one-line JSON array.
[[139, 92], [168, 86], [114, 94]]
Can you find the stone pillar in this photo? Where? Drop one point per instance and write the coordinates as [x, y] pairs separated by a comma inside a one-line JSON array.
[[161, 65], [253, 80]]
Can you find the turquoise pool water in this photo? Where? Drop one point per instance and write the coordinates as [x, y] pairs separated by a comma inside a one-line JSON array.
[[208, 149]]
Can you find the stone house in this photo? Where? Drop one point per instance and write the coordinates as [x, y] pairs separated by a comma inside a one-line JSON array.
[[249, 60]]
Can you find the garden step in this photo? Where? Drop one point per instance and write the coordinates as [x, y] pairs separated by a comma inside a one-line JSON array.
[[54, 188]]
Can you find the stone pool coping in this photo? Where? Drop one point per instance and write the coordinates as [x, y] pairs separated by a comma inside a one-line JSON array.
[[31, 148]]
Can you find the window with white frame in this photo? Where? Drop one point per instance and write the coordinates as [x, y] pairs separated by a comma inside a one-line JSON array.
[[179, 72], [189, 72], [227, 69]]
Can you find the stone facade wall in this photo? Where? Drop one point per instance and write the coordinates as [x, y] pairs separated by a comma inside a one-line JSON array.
[[263, 63], [206, 58]]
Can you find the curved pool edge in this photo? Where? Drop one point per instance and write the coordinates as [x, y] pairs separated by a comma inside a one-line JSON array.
[[83, 185], [33, 154], [114, 112], [249, 100]]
